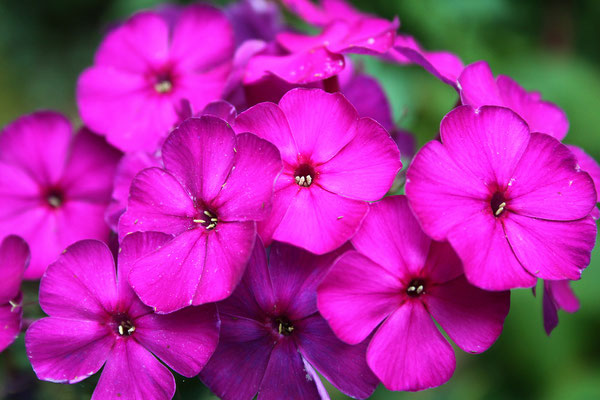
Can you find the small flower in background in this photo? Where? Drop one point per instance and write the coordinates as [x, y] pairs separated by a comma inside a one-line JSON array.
[[145, 67], [214, 187], [273, 340], [54, 187], [334, 162], [95, 319], [397, 283], [14, 259], [514, 205]]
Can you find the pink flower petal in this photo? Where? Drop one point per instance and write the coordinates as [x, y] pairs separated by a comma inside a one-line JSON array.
[[10, 321], [551, 249], [283, 196], [557, 295], [356, 295], [310, 113], [487, 255], [131, 372], [478, 86], [267, 121], [167, 278], [157, 202], [200, 153], [58, 355], [90, 169], [247, 192], [548, 184], [81, 284], [324, 12], [320, 221], [197, 23], [227, 253], [366, 167], [473, 318], [433, 193], [38, 143], [286, 376], [146, 32], [221, 109], [488, 143], [318, 344], [391, 221], [366, 94], [184, 340], [409, 353], [14, 258], [589, 165], [237, 367]]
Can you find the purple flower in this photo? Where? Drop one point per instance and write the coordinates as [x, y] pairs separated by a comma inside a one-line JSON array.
[[273, 339], [254, 19], [558, 295], [145, 67], [324, 12], [479, 88], [96, 319], [334, 162], [14, 258], [442, 64], [397, 283], [54, 187], [589, 165], [213, 188], [514, 205]]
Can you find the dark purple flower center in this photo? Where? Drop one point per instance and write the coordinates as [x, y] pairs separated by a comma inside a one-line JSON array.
[[207, 219], [415, 288], [123, 325], [54, 197], [305, 175], [163, 82], [283, 326], [498, 203]]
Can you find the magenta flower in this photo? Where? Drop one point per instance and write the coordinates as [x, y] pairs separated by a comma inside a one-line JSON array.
[[334, 162], [213, 188], [145, 67], [273, 340], [14, 258], [558, 295], [589, 165], [397, 283], [514, 205], [479, 88], [54, 187], [442, 64], [324, 12], [96, 319]]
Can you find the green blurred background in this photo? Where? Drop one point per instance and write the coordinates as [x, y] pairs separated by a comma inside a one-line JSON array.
[[550, 46]]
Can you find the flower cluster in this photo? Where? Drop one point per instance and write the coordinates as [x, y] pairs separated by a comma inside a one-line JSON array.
[[234, 208]]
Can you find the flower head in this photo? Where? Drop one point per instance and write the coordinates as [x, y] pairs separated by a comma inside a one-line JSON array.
[[95, 319], [397, 283], [214, 187], [145, 67], [334, 162], [479, 88], [273, 340], [54, 187], [514, 205], [14, 259]]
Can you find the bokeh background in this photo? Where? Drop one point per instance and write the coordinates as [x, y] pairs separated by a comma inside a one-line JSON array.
[[550, 46]]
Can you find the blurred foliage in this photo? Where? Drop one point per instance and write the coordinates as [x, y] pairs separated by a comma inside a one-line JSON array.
[[549, 46]]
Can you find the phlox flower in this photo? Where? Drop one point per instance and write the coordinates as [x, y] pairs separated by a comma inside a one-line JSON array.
[[478, 87], [14, 258], [397, 283], [95, 319], [273, 340], [254, 19], [324, 12], [54, 186], [147, 65], [334, 162], [214, 186], [514, 205]]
